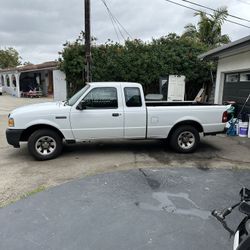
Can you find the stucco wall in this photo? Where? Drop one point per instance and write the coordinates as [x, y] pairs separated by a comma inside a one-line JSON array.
[[236, 63]]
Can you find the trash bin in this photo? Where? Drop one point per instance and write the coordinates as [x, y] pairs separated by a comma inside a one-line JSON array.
[[243, 129]]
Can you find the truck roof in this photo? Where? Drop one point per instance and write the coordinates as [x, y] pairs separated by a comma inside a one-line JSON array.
[[114, 84]]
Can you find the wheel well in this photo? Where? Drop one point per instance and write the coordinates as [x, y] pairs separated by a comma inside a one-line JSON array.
[[28, 131], [195, 124]]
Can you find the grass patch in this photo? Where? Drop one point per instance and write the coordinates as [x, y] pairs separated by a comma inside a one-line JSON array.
[[24, 196], [32, 192]]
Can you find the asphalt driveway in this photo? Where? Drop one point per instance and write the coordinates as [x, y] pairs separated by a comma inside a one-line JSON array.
[[135, 209]]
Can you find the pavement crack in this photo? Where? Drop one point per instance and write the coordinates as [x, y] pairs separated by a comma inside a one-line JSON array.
[[143, 172], [154, 184]]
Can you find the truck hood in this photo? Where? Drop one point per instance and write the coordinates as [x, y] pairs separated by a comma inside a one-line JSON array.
[[50, 107]]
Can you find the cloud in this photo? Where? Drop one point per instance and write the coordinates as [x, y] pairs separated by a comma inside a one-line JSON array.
[[39, 28]]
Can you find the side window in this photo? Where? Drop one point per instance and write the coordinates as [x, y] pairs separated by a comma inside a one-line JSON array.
[[132, 97], [101, 98]]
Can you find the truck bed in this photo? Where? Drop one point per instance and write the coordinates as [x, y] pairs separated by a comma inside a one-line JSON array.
[[185, 103]]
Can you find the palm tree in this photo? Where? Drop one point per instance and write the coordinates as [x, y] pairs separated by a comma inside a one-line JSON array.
[[208, 30]]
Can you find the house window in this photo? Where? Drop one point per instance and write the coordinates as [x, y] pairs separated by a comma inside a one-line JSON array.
[[245, 77], [232, 77]]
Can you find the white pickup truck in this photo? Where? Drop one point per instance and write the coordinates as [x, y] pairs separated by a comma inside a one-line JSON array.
[[112, 110]]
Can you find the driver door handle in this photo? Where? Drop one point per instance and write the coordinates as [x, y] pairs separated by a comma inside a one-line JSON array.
[[116, 114]]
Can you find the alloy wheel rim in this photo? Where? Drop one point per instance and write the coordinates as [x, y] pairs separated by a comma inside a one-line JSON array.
[[45, 145]]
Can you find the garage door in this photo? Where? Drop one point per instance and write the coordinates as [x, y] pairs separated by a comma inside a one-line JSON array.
[[237, 88]]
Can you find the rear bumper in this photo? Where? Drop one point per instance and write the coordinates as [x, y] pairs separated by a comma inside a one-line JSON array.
[[13, 137]]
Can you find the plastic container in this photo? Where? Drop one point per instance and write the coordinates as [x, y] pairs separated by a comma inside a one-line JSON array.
[[243, 129]]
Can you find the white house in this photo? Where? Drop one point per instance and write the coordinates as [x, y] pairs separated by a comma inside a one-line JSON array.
[[45, 78], [233, 72]]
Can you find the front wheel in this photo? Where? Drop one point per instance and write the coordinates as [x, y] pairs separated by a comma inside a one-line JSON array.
[[245, 244], [185, 139], [45, 144]]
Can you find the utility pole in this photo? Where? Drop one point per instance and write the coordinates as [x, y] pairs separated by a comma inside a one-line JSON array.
[[87, 69]]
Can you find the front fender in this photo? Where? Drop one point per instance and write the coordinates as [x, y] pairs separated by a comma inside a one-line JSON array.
[[43, 122], [64, 129]]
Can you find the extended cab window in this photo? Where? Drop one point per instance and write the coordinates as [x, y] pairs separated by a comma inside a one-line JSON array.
[[132, 97], [101, 98]]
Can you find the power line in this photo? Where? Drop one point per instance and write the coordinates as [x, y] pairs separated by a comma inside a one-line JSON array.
[[115, 25], [203, 6], [245, 2], [181, 5], [120, 31], [114, 20], [123, 27], [120, 24], [243, 25], [230, 21]]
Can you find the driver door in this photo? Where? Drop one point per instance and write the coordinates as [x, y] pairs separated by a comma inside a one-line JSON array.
[[101, 116]]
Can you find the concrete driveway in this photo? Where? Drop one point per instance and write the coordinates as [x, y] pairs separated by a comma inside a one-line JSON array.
[[20, 175], [136, 209]]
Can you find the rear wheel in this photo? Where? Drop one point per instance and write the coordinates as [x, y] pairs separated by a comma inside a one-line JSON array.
[[185, 139], [45, 144]]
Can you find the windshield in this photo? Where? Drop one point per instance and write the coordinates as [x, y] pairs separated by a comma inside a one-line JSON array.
[[76, 97]]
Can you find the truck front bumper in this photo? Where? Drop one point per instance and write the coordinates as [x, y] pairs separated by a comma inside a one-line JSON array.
[[13, 137]]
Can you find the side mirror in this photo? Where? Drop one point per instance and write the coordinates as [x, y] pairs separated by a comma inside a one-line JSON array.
[[81, 106]]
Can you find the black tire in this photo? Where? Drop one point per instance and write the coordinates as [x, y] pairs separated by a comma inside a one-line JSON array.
[[45, 144], [185, 139], [245, 244]]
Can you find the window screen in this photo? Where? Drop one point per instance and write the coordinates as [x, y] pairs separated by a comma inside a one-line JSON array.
[[132, 97], [101, 98]]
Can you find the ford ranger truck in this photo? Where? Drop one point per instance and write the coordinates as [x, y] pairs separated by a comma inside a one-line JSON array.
[[112, 110]]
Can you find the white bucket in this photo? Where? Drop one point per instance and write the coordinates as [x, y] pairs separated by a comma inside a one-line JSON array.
[[243, 129]]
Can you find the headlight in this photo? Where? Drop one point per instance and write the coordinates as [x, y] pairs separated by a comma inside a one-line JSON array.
[[11, 122]]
